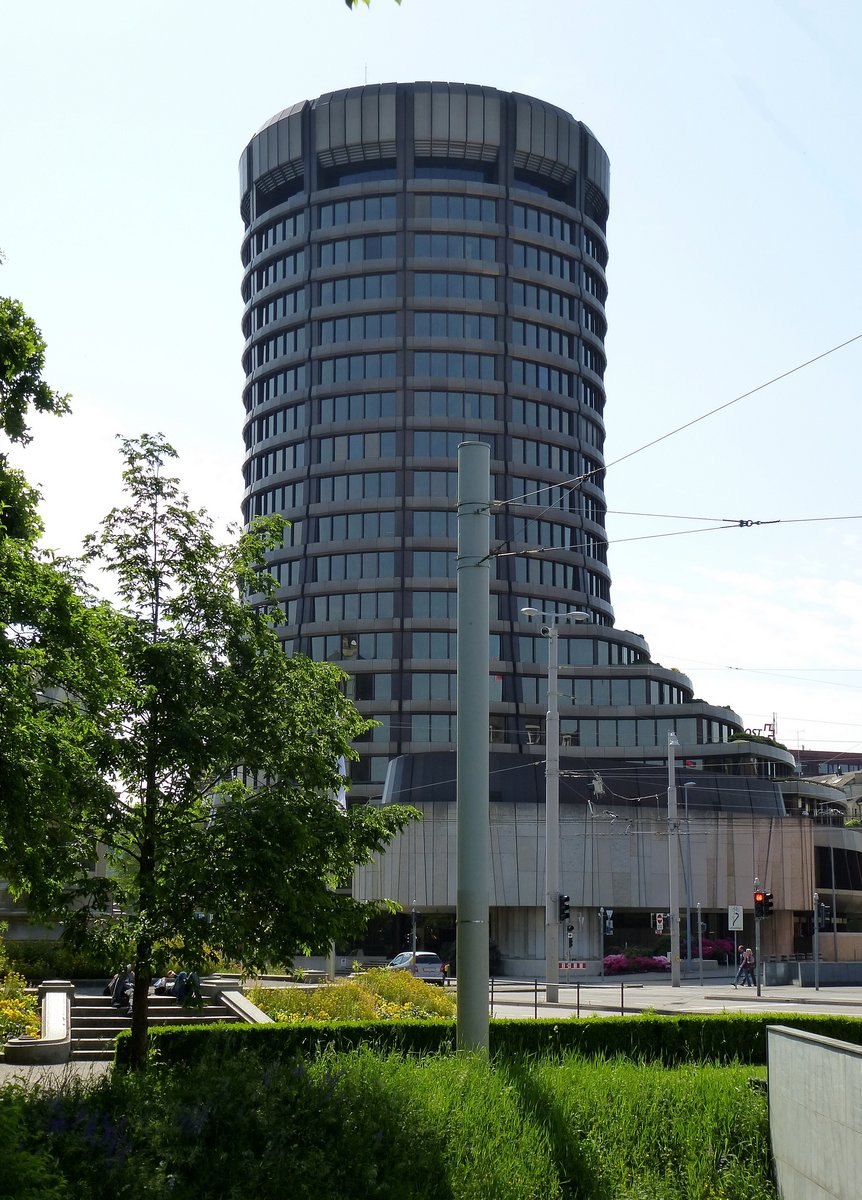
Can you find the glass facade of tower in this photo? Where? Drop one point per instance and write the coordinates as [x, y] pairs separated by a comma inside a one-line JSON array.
[[424, 264]]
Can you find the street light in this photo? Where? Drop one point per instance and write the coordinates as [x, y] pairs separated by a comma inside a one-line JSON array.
[[552, 800], [672, 852], [685, 788]]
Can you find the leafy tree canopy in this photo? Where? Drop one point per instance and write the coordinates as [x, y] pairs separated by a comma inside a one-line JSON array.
[[223, 829]]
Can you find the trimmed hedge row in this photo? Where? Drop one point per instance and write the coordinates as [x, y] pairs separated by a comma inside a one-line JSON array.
[[37, 960], [715, 1038]]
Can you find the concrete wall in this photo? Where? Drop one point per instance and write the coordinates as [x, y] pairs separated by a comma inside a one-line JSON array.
[[616, 858], [815, 1118]]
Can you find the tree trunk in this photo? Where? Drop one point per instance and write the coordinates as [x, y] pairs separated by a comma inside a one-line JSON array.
[[140, 1009]]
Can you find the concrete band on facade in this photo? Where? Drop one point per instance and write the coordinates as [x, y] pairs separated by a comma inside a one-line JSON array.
[[425, 264]]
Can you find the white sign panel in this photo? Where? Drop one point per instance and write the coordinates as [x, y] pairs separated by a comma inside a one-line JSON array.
[[734, 917]]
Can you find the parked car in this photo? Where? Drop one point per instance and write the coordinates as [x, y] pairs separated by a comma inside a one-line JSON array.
[[424, 964]]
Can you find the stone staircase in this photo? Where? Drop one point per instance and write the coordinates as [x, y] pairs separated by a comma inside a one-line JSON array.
[[96, 1023]]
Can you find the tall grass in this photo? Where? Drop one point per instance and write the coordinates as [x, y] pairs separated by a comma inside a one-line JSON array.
[[364, 1126]]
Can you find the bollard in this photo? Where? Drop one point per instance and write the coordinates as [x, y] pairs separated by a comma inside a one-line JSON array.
[[622, 999]]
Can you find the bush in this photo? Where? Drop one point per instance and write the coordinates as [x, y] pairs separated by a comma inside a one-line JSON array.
[[387, 995], [37, 960], [19, 1013], [621, 964], [717, 1038]]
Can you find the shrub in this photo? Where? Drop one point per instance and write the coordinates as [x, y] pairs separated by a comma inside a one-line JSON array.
[[387, 995], [19, 1013]]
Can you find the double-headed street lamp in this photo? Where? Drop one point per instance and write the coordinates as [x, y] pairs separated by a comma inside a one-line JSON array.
[[552, 800]]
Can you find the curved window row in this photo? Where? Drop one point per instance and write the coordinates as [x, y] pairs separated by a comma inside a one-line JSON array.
[[593, 321], [358, 287], [369, 564], [280, 383], [433, 564], [286, 267], [283, 420], [350, 606], [455, 208], [442, 443], [543, 572], [361, 485], [287, 574], [595, 248], [285, 458], [592, 359], [546, 300], [281, 231], [342, 527], [558, 496], [551, 456], [546, 379], [435, 483], [439, 606], [451, 285], [332, 648], [463, 405], [434, 523], [356, 328], [433, 727], [537, 415], [438, 363], [356, 446], [455, 245], [352, 367], [536, 220], [282, 306], [363, 208], [356, 249], [455, 325], [576, 651], [587, 692], [292, 341], [274, 500], [434, 685], [365, 406], [591, 283], [430, 645], [546, 262], [553, 535], [634, 732], [541, 337]]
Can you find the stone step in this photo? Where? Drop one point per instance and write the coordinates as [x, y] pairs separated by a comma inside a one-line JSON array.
[[96, 1023]]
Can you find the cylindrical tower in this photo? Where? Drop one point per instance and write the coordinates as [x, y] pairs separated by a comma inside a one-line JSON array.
[[424, 264]]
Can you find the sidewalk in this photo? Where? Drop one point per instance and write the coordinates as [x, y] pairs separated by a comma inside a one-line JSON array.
[[633, 993]]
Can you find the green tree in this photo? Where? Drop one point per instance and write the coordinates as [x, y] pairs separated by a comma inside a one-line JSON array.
[[54, 644], [224, 827]]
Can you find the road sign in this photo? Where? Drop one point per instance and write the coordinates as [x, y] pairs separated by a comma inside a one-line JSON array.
[[734, 917], [573, 966], [659, 922]]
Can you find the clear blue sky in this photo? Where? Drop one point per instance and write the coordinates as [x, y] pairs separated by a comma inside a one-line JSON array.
[[736, 186]]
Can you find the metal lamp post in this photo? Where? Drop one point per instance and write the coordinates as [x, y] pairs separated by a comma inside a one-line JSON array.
[[552, 801], [685, 788], [672, 852]]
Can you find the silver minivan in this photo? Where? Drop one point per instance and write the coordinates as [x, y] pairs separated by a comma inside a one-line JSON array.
[[424, 964]]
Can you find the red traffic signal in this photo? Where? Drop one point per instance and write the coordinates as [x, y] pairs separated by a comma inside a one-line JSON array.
[[759, 905]]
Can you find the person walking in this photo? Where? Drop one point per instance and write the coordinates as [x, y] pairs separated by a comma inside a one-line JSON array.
[[740, 970], [748, 968]]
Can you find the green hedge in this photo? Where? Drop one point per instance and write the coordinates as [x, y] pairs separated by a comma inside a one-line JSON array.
[[716, 1038]]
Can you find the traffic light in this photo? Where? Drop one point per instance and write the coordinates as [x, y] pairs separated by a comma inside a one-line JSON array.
[[767, 904], [759, 905], [565, 910], [823, 915]]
